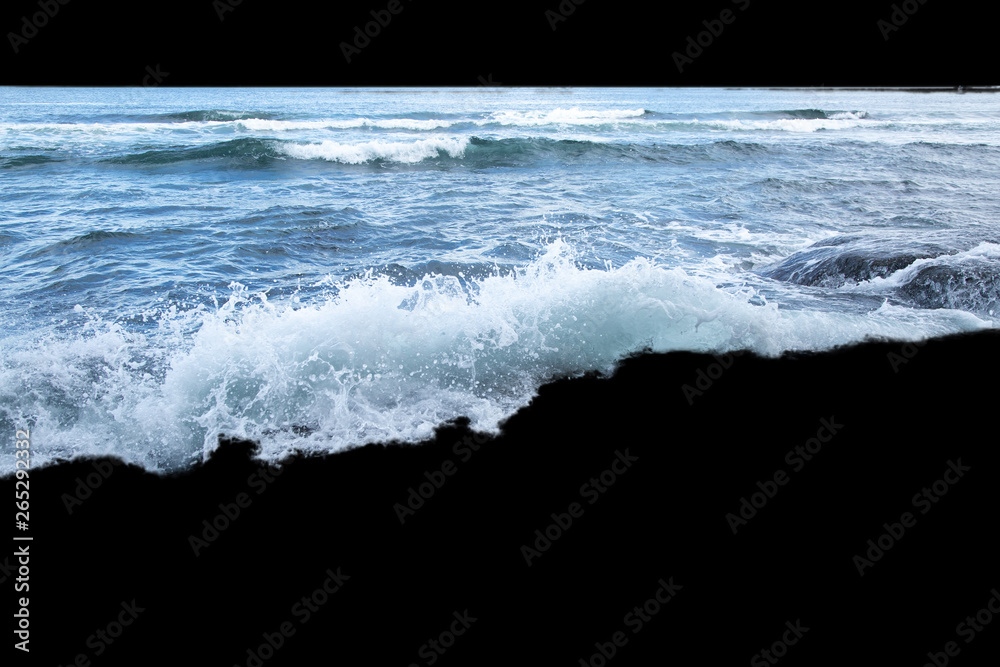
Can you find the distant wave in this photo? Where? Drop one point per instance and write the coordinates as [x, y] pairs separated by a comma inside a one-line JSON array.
[[372, 151], [9, 162], [955, 149], [448, 151], [415, 124], [558, 115], [572, 116], [814, 114], [785, 124], [249, 150], [551, 119], [89, 240], [806, 114], [207, 115]]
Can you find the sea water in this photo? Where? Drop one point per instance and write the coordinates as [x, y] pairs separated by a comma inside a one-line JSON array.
[[318, 269]]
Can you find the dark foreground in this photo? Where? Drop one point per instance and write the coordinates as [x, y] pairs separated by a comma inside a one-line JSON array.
[[635, 495]]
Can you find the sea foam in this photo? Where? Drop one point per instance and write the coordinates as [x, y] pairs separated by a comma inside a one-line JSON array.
[[374, 360], [395, 151]]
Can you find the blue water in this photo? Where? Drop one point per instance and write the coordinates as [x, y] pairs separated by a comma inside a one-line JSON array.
[[319, 269]]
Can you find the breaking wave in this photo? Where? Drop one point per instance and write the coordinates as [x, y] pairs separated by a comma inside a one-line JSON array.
[[380, 358]]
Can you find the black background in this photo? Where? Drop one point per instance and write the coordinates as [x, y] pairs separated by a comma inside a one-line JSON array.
[[455, 43]]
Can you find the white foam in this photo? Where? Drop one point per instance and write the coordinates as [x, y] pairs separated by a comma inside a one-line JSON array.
[[559, 116], [395, 151], [85, 128], [256, 124], [837, 122]]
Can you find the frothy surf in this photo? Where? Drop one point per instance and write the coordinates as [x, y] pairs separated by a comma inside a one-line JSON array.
[[375, 360], [471, 150], [395, 151]]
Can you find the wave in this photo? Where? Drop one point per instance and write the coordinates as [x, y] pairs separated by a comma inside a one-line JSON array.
[[383, 358], [468, 274], [10, 238], [793, 119], [207, 115], [246, 151], [807, 114], [814, 114], [90, 242], [13, 161], [412, 124], [263, 152], [786, 124], [270, 122], [559, 116], [419, 121], [194, 116], [446, 151], [962, 150], [796, 120], [817, 184], [375, 151]]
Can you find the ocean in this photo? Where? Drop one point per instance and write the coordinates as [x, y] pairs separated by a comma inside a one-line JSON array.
[[317, 269]]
